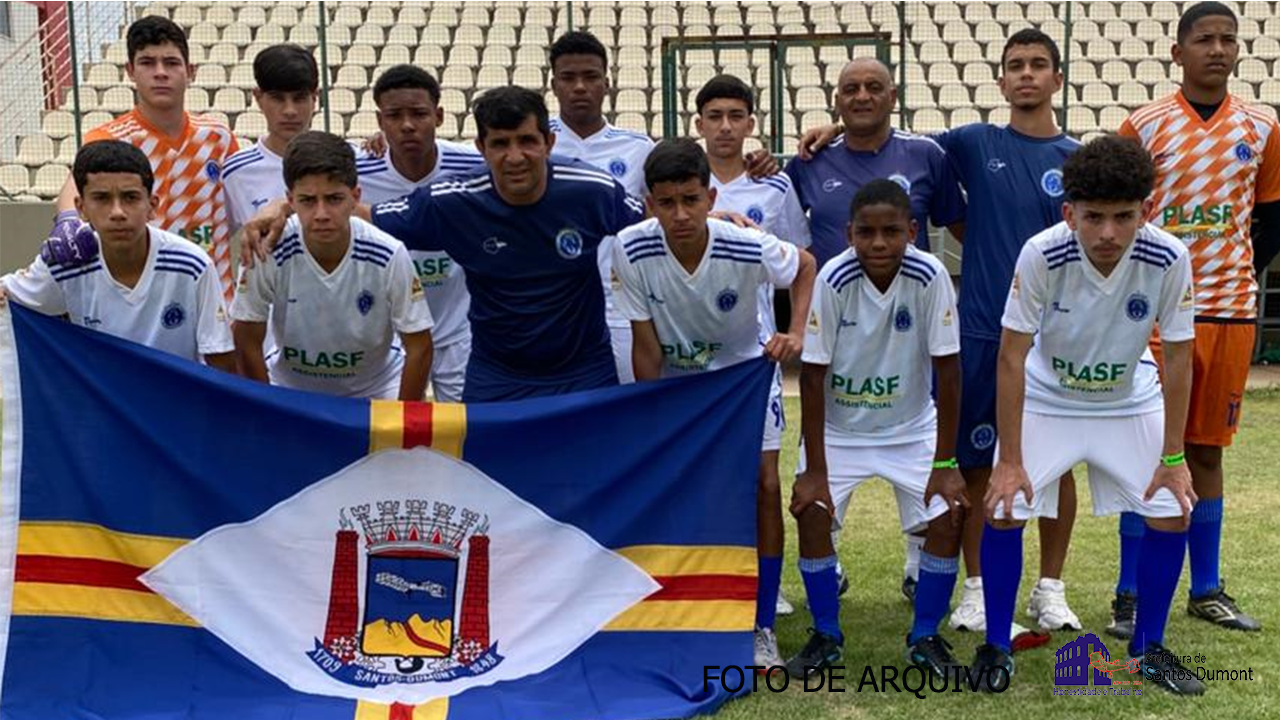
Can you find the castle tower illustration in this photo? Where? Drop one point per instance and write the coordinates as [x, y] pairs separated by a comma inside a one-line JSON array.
[[473, 631], [344, 601]]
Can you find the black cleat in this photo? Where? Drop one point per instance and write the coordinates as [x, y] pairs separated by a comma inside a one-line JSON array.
[[932, 654], [992, 668], [1220, 609], [909, 588], [821, 652], [1124, 609], [843, 580], [1160, 669]]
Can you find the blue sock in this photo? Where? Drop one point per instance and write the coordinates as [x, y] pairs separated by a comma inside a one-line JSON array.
[[933, 594], [767, 595], [821, 586], [1132, 527], [1204, 541], [1001, 571], [1157, 579]]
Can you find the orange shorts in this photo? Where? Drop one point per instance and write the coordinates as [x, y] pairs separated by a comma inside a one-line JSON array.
[[1220, 370]]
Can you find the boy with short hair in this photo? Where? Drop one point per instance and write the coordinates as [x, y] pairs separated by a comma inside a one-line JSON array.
[[689, 286], [337, 288], [883, 323], [146, 285]]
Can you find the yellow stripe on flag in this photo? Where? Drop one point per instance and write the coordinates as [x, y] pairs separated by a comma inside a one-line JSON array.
[[83, 540], [31, 598], [448, 428], [437, 709], [669, 560], [686, 615], [370, 710], [386, 425]]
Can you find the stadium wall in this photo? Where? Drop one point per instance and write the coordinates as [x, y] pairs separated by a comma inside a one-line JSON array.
[[19, 79], [23, 226]]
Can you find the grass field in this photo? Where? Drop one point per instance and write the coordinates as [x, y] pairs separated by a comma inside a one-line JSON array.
[[876, 617]]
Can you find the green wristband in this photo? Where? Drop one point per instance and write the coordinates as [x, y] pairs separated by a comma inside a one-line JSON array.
[[949, 464], [1174, 460]]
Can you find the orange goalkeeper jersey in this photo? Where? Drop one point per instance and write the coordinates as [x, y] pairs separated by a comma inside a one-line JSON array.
[[188, 170], [1209, 175]]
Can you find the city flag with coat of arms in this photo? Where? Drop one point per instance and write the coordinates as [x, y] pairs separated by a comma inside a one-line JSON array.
[[179, 543]]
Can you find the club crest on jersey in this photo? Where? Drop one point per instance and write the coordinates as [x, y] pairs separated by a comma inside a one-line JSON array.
[[902, 182], [364, 303], [173, 316], [1051, 183], [413, 627], [1137, 307], [756, 213], [727, 300], [617, 167], [569, 244], [1244, 153], [902, 319], [983, 436], [213, 170]]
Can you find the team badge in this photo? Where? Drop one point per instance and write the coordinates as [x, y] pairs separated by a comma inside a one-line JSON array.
[[756, 214], [902, 182], [173, 316], [617, 167], [415, 287], [1137, 307], [364, 303], [213, 170], [569, 244], [727, 300], [983, 436], [1188, 299], [1244, 153], [946, 318], [1051, 183], [902, 319]]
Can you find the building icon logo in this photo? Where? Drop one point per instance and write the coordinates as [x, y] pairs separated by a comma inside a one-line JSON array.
[[1073, 662]]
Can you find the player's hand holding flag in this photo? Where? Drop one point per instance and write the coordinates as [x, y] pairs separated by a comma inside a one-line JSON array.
[[1007, 479]]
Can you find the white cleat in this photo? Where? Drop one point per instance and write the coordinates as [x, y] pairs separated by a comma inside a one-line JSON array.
[[766, 649], [783, 607], [1048, 606], [970, 614]]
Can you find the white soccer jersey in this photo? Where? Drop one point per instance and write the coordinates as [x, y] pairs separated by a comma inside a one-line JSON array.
[[772, 204], [176, 306], [335, 331], [1091, 355], [252, 178], [709, 319], [442, 279], [879, 347]]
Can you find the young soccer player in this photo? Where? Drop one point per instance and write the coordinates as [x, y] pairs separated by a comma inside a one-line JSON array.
[[689, 285], [187, 152], [147, 285], [1218, 190], [866, 414], [287, 88], [409, 112], [338, 291], [1075, 383]]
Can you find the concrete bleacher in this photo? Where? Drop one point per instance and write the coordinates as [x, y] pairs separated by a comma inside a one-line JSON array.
[[1118, 59]]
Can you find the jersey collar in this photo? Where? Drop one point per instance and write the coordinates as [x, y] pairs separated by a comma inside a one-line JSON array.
[[1194, 117]]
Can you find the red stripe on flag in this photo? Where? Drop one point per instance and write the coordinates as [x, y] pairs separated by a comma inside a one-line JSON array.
[[79, 571], [705, 587], [417, 424], [400, 712]]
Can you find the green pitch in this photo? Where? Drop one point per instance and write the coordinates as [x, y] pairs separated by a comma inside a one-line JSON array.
[[876, 617]]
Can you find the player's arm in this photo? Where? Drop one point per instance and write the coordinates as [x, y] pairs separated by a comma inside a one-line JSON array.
[[1009, 475], [646, 351], [249, 337], [786, 348], [417, 364], [1266, 209], [815, 138], [214, 339], [411, 317], [34, 287], [1176, 318], [812, 487], [67, 198], [945, 479], [226, 362], [957, 230], [631, 299]]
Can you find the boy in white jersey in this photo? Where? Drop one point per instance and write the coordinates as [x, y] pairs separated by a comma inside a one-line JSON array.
[[337, 290], [1076, 384], [147, 285], [409, 112], [883, 322], [287, 87], [689, 286]]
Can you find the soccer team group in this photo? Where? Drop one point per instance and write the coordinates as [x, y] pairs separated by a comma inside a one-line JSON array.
[[525, 266]]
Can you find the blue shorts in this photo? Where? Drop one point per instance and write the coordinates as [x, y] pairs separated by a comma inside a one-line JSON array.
[[487, 383], [976, 441]]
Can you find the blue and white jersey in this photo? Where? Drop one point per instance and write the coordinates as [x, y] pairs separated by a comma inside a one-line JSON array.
[[879, 348], [1091, 355], [621, 153], [707, 319], [176, 305], [442, 279], [537, 306], [1014, 189], [827, 183], [252, 178], [336, 332]]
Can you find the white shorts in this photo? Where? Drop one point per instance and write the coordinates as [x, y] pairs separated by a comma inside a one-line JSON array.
[[449, 370], [775, 419], [1122, 453], [621, 339], [906, 466]]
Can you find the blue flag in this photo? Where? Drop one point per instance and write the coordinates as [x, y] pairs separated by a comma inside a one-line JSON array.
[[177, 542]]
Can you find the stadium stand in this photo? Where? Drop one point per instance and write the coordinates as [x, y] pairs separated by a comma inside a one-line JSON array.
[[1118, 60]]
